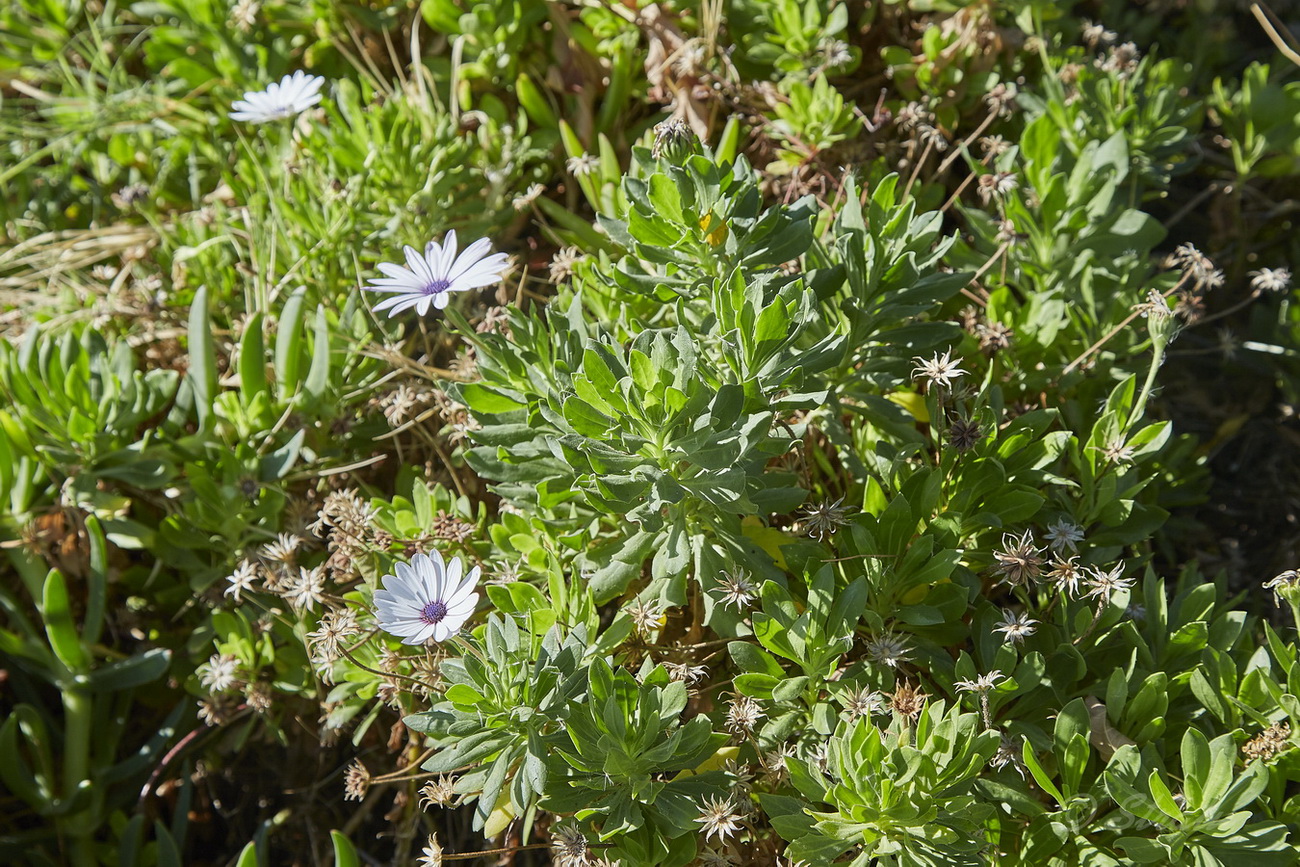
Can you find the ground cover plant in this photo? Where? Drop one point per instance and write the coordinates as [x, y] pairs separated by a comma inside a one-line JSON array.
[[522, 432]]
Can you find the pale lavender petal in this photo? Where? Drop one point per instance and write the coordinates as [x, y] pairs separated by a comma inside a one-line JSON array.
[[473, 253], [406, 303], [396, 300], [463, 608], [484, 273], [419, 267], [421, 636], [453, 574], [448, 259], [397, 272]]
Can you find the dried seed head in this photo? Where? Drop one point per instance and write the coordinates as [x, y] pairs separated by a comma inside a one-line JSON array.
[[431, 856], [964, 434], [1066, 574], [719, 818], [258, 696], [1001, 98], [824, 518], [356, 782], [1286, 582], [1268, 743], [1016, 627], [1096, 35], [343, 511], [743, 714], [1008, 754], [216, 710], [685, 672], [994, 336], [1019, 561], [1102, 584], [646, 618], [1064, 535], [569, 846], [863, 702], [996, 185], [403, 403], [1117, 452], [241, 580], [1273, 280], [438, 793], [888, 649], [737, 589], [913, 115], [939, 371], [981, 684], [907, 701], [561, 267], [994, 145], [336, 626], [1121, 60], [450, 528], [581, 166], [524, 201], [306, 591], [219, 673]]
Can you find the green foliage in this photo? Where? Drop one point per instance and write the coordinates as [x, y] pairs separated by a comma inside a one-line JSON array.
[[622, 743], [902, 794], [506, 707], [833, 485]]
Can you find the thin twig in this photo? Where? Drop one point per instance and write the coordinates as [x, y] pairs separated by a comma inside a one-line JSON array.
[[1137, 310], [1272, 33]]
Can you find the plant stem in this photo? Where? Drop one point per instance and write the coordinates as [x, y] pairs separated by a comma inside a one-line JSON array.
[[1157, 358], [77, 725]]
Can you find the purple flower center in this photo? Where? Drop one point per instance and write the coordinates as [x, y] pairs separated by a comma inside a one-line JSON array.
[[434, 612], [438, 285]]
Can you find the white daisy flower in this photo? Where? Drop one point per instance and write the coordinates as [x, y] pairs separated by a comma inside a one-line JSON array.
[[282, 99], [426, 599], [430, 279]]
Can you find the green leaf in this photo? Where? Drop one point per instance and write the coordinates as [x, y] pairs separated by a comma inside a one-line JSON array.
[[1195, 751], [790, 689], [612, 579], [345, 854], [465, 751], [14, 770], [288, 345], [756, 684], [252, 361], [169, 853], [1164, 799], [1144, 851], [463, 694], [96, 582], [56, 610], [1040, 776], [482, 399], [202, 372], [248, 855], [752, 658], [132, 672], [278, 463], [317, 382]]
